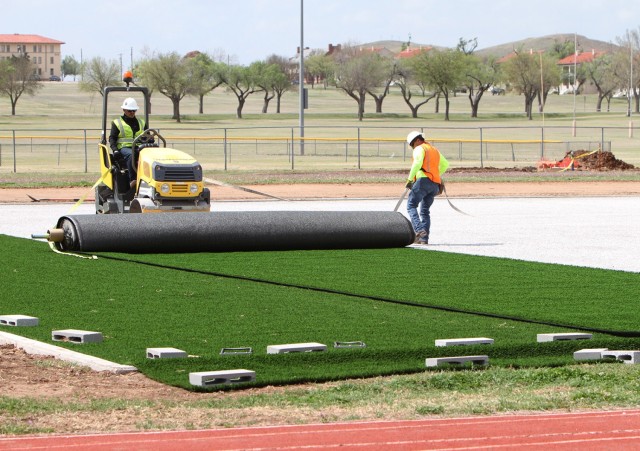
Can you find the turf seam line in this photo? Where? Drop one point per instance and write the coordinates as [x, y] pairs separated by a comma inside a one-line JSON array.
[[615, 333]]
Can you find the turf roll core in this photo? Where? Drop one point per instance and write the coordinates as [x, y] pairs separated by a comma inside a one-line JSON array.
[[234, 231]]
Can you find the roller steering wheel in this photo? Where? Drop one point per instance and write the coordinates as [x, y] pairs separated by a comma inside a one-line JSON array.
[[145, 139]]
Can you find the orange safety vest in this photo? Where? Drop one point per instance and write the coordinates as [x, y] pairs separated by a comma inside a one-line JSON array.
[[431, 163]]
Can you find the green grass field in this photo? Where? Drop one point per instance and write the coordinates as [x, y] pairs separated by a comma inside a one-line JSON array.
[[201, 303]]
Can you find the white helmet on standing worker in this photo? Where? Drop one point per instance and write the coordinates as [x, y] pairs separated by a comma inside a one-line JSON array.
[[130, 104], [412, 136]]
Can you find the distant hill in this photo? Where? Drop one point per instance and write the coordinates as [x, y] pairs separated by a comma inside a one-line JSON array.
[[541, 43], [546, 42], [394, 46]]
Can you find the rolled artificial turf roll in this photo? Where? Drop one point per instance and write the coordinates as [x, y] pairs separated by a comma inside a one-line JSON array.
[[234, 231]]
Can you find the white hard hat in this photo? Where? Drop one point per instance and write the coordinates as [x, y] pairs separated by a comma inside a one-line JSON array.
[[413, 135], [129, 104]]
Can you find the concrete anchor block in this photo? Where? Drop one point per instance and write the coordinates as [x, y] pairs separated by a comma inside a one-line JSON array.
[[165, 353], [459, 360], [630, 357], [227, 377], [542, 338], [589, 354], [18, 320], [76, 336], [463, 341], [296, 347]]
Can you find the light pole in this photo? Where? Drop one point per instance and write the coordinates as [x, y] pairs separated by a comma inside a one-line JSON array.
[[630, 74], [301, 78], [575, 79]]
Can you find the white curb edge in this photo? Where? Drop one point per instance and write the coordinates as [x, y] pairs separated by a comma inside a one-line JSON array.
[[38, 348]]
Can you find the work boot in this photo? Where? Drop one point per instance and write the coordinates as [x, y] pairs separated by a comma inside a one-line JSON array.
[[423, 239], [421, 235]]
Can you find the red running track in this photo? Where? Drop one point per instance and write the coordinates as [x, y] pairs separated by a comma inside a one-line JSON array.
[[618, 430]]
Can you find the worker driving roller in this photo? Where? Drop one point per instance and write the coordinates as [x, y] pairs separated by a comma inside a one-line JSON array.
[[124, 129]]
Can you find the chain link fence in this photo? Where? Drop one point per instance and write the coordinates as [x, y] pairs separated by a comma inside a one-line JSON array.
[[323, 148]]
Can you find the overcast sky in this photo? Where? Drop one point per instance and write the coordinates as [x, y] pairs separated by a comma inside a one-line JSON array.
[[251, 30]]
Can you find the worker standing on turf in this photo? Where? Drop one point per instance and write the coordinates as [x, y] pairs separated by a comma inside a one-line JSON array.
[[424, 183], [124, 129]]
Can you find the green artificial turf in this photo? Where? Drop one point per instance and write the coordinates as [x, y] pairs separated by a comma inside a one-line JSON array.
[[202, 303]]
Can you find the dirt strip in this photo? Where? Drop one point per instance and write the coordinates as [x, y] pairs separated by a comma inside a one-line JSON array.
[[358, 191]]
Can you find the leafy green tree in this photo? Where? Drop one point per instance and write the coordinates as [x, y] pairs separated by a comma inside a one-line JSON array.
[[240, 80], [561, 50], [405, 79], [168, 74], [319, 67], [388, 70], [205, 76], [70, 66], [480, 75], [98, 73], [523, 74], [533, 76], [16, 79], [441, 70], [628, 72], [281, 82], [271, 81], [601, 72]]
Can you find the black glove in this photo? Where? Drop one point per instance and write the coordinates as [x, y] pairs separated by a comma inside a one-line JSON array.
[[409, 184], [116, 154]]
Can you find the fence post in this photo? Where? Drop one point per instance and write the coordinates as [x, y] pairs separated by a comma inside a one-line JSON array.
[[292, 149], [481, 160], [358, 147], [541, 142], [602, 139], [224, 149], [14, 151], [85, 152]]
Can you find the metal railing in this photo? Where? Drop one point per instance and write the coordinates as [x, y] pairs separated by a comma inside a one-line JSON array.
[[324, 148]]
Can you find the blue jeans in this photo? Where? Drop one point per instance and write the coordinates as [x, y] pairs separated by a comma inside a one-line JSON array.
[[422, 194], [128, 159]]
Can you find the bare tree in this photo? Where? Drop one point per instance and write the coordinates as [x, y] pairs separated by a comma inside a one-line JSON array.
[[16, 79], [356, 74], [99, 73]]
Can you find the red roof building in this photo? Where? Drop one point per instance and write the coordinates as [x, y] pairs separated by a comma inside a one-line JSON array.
[[410, 52], [44, 52]]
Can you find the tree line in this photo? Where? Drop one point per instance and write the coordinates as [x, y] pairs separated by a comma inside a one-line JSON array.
[[431, 75]]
